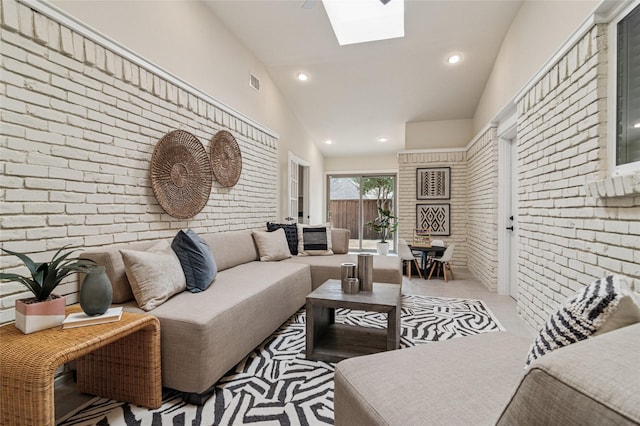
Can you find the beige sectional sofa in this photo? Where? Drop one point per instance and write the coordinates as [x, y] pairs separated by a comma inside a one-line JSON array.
[[481, 380], [203, 335]]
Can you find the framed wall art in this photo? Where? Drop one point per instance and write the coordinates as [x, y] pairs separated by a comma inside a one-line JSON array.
[[434, 217], [433, 183]]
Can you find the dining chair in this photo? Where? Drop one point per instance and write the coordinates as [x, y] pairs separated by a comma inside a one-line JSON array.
[[407, 255], [444, 262], [433, 255]]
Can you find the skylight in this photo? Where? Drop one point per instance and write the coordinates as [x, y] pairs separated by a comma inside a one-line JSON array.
[[359, 21]]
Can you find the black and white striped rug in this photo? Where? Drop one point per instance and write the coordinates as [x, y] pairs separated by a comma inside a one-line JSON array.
[[276, 385]]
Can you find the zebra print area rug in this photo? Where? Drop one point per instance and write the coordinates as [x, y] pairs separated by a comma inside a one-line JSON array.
[[275, 384]]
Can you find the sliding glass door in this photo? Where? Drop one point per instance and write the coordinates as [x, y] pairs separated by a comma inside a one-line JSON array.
[[353, 201]]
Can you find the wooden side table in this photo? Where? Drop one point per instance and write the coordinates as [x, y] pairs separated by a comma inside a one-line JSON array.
[[117, 360]]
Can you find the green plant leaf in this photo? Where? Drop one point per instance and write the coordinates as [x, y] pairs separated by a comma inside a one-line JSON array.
[[30, 264], [45, 277]]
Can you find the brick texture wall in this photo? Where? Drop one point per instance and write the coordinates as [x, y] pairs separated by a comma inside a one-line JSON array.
[[78, 127], [567, 237], [408, 163], [482, 200], [474, 202]]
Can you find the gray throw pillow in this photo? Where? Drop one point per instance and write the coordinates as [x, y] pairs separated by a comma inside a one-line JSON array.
[[196, 259]]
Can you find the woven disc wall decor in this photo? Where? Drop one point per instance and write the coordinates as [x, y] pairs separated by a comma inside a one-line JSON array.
[[226, 160], [181, 174]]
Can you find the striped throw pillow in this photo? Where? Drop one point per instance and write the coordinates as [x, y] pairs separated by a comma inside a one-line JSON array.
[[604, 305], [314, 240]]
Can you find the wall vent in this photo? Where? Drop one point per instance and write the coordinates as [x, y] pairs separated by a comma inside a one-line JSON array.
[[254, 82]]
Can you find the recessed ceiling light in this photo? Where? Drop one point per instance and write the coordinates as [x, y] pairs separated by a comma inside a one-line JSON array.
[[302, 76], [637, 125], [328, 141], [454, 59], [382, 139]]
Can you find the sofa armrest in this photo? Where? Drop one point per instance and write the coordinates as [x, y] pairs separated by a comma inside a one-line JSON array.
[[592, 382]]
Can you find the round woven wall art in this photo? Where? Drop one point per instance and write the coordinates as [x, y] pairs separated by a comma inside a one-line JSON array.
[[181, 174], [226, 160]]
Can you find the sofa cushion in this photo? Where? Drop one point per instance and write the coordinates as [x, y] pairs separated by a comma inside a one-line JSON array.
[[592, 382], [463, 381], [231, 248], [604, 305], [272, 246], [197, 262], [291, 231], [155, 275], [206, 334], [314, 240]]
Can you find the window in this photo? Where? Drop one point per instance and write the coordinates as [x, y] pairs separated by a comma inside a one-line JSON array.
[[628, 89], [353, 201], [625, 38]]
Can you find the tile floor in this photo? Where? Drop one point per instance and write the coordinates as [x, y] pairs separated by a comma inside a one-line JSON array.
[[464, 286]]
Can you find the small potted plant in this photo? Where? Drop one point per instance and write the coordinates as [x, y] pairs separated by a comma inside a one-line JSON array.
[[385, 225], [44, 310]]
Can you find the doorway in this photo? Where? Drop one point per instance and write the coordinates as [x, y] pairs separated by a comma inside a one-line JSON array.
[[508, 212], [298, 190], [353, 201]]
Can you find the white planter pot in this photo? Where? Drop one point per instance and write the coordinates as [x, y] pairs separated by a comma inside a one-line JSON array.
[[383, 248], [32, 317]]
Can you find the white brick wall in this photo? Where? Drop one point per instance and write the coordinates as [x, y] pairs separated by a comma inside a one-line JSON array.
[[568, 238], [482, 199], [474, 203], [78, 127], [408, 163]]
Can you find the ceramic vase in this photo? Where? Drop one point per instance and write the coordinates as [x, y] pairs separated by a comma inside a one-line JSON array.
[[365, 271], [96, 292]]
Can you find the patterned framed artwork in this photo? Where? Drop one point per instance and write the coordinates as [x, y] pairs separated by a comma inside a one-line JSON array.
[[434, 217], [433, 183]]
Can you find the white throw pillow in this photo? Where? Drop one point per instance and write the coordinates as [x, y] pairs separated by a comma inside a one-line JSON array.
[[604, 305], [314, 240], [272, 246], [155, 274]]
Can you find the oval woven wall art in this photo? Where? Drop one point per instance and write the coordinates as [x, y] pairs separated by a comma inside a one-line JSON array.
[[226, 160], [181, 174]]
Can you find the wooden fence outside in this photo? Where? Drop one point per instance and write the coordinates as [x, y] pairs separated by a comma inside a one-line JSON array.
[[345, 213]]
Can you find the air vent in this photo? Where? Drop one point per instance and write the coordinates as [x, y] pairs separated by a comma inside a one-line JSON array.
[[254, 82]]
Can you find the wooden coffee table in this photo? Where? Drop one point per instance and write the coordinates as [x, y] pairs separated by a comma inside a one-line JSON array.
[[328, 341]]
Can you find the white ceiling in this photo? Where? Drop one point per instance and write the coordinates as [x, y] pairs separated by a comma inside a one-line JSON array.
[[358, 93]]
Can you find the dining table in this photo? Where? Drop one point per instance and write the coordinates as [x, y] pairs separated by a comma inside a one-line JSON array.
[[427, 254]]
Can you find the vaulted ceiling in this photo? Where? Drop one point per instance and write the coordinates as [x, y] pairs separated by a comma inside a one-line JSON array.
[[358, 93]]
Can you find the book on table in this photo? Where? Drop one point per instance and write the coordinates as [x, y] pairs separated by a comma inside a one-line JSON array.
[[80, 319]]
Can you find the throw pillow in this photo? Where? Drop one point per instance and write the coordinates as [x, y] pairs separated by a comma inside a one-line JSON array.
[[290, 230], [155, 275], [195, 257], [271, 245], [314, 240], [604, 305]]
